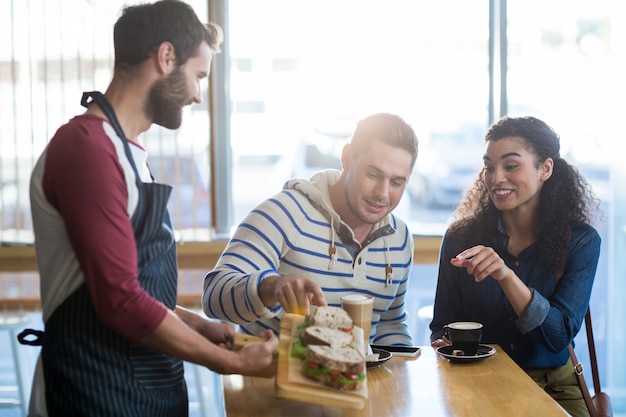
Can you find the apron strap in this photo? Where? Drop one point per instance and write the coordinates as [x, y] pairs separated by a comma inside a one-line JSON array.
[[24, 334], [102, 102]]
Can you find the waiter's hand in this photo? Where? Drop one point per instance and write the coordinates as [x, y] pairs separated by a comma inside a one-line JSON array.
[[259, 359], [222, 334]]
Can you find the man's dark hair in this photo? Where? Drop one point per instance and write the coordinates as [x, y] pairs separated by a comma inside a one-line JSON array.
[[142, 28]]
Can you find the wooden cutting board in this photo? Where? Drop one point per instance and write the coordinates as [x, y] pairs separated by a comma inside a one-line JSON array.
[[292, 385]]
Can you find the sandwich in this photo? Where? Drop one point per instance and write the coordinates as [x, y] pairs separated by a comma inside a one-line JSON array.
[[318, 335], [340, 367], [338, 327], [332, 317]]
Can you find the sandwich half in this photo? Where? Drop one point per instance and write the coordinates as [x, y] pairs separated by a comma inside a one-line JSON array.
[[340, 367], [318, 335], [333, 317]]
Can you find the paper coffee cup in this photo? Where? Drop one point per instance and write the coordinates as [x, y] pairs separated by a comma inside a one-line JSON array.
[[360, 307]]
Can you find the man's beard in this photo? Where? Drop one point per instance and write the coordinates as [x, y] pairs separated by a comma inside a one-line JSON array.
[[167, 99]]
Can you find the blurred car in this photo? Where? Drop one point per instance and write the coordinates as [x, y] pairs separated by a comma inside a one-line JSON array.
[[448, 162], [320, 147]]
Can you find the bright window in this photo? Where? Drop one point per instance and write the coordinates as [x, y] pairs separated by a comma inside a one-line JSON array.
[[566, 65], [52, 52], [304, 73]]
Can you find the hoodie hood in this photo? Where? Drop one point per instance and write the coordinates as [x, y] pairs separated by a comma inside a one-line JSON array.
[[316, 190]]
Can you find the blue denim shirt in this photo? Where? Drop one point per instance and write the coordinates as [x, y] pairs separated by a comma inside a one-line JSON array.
[[540, 336]]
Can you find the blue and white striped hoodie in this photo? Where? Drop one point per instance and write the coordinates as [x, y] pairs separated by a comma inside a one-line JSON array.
[[297, 232]]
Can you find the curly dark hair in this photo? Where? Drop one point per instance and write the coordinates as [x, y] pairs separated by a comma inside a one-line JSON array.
[[566, 199]]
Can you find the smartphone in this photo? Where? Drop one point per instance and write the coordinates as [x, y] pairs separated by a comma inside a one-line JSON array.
[[409, 351]]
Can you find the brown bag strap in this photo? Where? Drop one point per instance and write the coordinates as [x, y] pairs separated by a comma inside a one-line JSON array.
[[578, 367], [592, 353]]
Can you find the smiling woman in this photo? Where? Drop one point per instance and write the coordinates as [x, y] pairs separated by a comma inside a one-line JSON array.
[[523, 248]]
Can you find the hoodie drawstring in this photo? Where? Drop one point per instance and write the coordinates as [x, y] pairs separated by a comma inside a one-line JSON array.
[[388, 268], [332, 250]]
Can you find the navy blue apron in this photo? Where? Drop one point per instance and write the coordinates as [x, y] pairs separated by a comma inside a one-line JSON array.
[[89, 369]]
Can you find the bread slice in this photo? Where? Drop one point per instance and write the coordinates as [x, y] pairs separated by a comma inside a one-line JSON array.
[[342, 359], [318, 335], [333, 317]]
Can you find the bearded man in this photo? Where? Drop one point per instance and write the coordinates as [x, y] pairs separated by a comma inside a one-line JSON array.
[[114, 340]]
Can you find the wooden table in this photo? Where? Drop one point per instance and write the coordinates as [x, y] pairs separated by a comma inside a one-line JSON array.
[[425, 386]]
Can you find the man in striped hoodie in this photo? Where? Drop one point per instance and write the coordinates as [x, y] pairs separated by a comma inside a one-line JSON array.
[[324, 237]]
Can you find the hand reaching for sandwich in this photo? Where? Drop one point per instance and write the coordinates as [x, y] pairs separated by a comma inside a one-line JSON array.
[[295, 294]]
